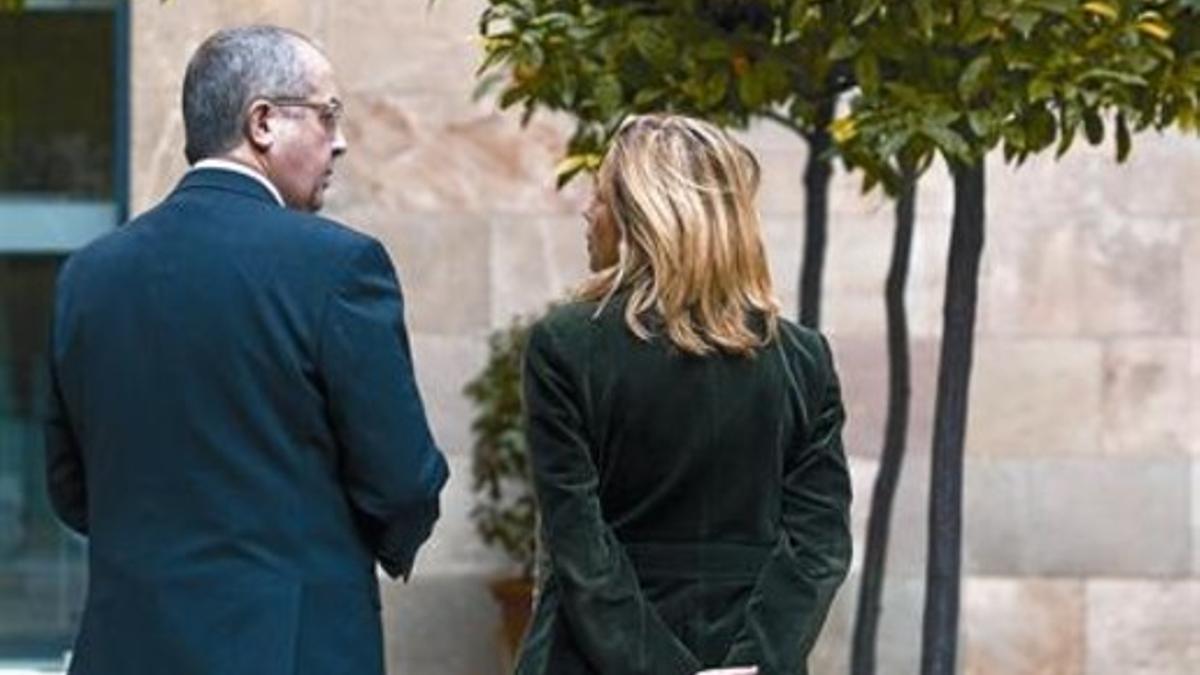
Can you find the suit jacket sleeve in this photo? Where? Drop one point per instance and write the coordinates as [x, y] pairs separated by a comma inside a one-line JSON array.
[[392, 471], [791, 598], [601, 601], [64, 460]]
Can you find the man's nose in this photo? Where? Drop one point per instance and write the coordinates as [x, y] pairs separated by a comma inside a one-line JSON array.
[[339, 143]]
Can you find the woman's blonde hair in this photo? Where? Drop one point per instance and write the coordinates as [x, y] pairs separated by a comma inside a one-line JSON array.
[[691, 255]]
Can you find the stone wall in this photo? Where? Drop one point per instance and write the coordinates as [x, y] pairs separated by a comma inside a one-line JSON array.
[[1083, 474]]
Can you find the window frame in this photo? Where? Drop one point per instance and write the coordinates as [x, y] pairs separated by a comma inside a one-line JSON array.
[[49, 225]]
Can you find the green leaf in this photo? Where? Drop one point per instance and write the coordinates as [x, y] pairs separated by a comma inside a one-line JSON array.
[[866, 11], [1025, 21], [982, 122], [646, 98], [607, 94], [1124, 143], [1060, 7], [751, 88], [966, 13], [511, 96], [1040, 89], [1093, 126], [774, 74], [571, 165], [925, 17], [1113, 76], [843, 48], [654, 44], [971, 81], [866, 72], [1040, 129], [715, 88], [714, 50], [1066, 139], [978, 31], [948, 140]]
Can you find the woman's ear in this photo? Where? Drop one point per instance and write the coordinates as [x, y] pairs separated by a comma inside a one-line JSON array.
[[259, 127]]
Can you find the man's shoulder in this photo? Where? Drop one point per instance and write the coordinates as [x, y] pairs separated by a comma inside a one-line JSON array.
[[321, 230]]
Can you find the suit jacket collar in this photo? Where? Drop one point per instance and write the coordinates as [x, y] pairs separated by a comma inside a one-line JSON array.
[[228, 181]]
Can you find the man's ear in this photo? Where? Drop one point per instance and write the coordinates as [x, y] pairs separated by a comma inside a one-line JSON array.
[[259, 128]]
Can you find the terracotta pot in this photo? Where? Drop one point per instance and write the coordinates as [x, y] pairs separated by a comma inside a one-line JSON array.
[[515, 597]]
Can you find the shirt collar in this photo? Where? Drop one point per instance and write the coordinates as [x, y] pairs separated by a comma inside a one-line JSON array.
[[226, 165]]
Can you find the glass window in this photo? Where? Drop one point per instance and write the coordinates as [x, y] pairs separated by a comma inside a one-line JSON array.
[[63, 123], [63, 181]]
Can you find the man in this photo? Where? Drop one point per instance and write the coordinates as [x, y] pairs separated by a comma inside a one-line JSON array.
[[234, 420]]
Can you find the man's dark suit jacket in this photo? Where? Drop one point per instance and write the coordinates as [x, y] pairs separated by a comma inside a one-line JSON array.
[[694, 510], [235, 427]]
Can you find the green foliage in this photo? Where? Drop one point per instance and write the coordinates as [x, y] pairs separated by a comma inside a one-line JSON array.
[[504, 514], [965, 76], [723, 60], [955, 78]]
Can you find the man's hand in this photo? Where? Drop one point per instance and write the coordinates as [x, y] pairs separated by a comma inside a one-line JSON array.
[[740, 670]]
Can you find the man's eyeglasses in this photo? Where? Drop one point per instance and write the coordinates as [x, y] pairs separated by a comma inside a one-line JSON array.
[[330, 113]]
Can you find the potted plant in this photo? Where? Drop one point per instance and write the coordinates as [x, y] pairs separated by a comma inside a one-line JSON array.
[[504, 512]]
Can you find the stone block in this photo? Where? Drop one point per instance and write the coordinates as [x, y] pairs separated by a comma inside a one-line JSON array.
[[1031, 277], [1018, 389], [1111, 517], [863, 368], [1195, 517], [1078, 517], [1147, 389], [441, 625], [1191, 272], [411, 46], [444, 365], [856, 266], [783, 238], [443, 266], [898, 644], [423, 151], [781, 190], [1140, 627], [1022, 626], [764, 136], [1192, 276], [1193, 396], [908, 536], [1045, 190], [997, 517], [926, 288], [1132, 276], [1157, 182], [535, 260], [862, 481], [455, 547]]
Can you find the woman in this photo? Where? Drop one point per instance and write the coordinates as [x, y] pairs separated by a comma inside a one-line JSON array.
[[685, 439]]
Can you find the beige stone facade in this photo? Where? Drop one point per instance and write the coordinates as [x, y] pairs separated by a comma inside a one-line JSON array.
[[1082, 505]]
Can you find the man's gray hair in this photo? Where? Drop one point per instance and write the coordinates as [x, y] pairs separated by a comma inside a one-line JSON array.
[[230, 69]]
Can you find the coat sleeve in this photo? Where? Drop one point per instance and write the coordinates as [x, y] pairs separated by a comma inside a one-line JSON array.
[[65, 482], [796, 586], [391, 469], [601, 601]]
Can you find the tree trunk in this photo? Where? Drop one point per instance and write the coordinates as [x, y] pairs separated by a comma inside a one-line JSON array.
[[940, 630], [817, 174], [862, 656]]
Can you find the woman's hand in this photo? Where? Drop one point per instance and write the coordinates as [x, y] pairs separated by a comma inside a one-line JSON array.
[[740, 670]]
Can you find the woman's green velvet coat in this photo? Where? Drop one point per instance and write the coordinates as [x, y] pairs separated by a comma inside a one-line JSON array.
[[694, 510]]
